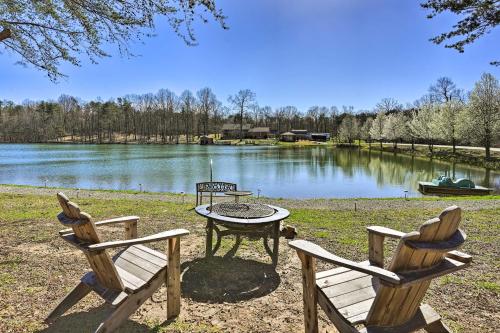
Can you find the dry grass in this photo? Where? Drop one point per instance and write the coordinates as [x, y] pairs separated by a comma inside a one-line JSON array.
[[240, 294]]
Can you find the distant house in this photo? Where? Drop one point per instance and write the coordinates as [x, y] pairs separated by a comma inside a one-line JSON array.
[[301, 134], [288, 137], [259, 133], [232, 131], [321, 137]]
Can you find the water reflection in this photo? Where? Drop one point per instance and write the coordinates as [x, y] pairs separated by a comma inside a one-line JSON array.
[[278, 172]]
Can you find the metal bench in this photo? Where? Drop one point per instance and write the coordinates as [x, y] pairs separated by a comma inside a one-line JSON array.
[[216, 188]]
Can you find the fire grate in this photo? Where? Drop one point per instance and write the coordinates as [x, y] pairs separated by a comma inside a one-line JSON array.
[[242, 210]]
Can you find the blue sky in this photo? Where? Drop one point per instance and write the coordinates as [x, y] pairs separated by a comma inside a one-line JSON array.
[[290, 52]]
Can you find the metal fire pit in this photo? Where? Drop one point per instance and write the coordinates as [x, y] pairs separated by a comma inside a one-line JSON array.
[[250, 220], [243, 210]]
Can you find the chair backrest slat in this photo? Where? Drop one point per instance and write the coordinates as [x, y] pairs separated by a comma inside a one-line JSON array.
[[394, 306], [85, 230]]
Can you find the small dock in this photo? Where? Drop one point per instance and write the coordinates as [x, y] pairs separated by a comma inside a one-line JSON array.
[[431, 188]]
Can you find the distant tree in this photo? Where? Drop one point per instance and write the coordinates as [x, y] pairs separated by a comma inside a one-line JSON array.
[[387, 105], [478, 17], [377, 129], [394, 127], [207, 103], [450, 118], [187, 105], [425, 126], [365, 131], [242, 102], [483, 112], [334, 120], [46, 33], [349, 128], [444, 90]]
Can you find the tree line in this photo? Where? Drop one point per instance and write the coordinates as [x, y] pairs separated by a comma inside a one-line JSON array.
[[446, 114]]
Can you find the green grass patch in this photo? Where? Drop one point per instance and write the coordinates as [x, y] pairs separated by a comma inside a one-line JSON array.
[[487, 285]]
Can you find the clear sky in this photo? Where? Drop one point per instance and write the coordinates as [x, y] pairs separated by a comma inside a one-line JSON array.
[[290, 52]]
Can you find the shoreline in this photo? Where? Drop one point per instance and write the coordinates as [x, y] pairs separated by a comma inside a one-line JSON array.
[[349, 204]]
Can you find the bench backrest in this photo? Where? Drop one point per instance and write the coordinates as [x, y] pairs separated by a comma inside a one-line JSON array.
[[85, 231], [216, 187], [395, 305]]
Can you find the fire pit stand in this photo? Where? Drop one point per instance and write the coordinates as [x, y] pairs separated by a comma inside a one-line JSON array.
[[250, 220]]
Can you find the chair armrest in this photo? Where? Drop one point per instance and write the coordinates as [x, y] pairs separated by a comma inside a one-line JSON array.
[[376, 236], [148, 239], [386, 232], [123, 219], [318, 252]]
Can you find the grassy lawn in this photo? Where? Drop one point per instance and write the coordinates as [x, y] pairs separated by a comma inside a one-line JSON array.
[[37, 268]]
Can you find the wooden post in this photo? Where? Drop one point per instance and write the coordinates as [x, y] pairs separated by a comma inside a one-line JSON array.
[[174, 278], [131, 230], [376, 249], [309, 293], [208, 241]]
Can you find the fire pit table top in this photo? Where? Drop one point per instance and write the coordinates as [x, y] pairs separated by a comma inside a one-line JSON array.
[[243, 213]]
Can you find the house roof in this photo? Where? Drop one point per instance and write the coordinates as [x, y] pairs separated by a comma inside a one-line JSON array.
[[259, 130], [320, 134], [288, 133], [300, 131], [234, 127]]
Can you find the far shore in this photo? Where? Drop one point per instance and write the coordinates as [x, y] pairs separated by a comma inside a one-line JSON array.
[[464, 154]]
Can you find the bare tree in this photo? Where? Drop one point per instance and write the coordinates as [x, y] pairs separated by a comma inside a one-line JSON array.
[[388, 105], [242, 102], [444, 90], [207, 103]]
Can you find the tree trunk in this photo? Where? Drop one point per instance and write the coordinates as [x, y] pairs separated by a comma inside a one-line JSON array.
[[381, 145], [241, 124], [453, 143]]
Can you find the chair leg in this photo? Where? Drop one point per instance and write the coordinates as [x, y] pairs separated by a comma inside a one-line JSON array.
[[309, 296], [437, 327], [130, 305], [79, 292], [173, 278]]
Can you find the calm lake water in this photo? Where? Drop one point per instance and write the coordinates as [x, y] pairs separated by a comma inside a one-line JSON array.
[[278, 172]]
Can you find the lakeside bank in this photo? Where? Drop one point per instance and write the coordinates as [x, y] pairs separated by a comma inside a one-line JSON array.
[[37, 266]]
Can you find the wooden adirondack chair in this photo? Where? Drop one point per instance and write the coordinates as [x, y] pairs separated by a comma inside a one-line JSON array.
[[383, 300], [126, 280]]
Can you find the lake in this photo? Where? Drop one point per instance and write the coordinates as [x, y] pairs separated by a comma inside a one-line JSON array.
[[311, 172]]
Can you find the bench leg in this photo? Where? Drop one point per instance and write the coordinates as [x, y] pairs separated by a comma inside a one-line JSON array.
[[208, 241]]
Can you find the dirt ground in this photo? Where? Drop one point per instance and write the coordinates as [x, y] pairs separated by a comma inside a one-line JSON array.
[[241, 293]]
